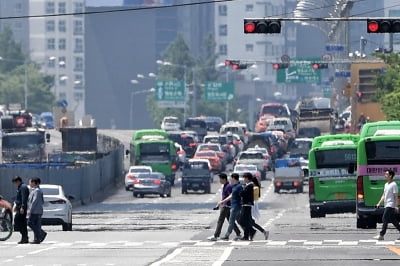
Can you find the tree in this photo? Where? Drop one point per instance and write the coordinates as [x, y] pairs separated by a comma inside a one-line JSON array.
[[17, 71], [388, 84]]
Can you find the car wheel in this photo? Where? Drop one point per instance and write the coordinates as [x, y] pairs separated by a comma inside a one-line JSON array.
[[169, 194], [142, 195], [126, 188], [67, 226], [135, 195]]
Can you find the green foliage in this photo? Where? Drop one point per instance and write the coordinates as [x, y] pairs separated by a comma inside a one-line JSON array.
[[388, 84], [16, 70]]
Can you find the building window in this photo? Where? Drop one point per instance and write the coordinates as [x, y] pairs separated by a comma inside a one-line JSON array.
[[62, 44], [223, 10], [62, 8], [78, 63], [249, 47], [78, 27], [249, 8], [51, 44], [50, 8], [62, 62], [223, 30], [18, 8], [223, 49], [62, 26], [78, 45], [62, 80], [78, 7], [78, 83], [50, 26], [78, 96], [51, 62]]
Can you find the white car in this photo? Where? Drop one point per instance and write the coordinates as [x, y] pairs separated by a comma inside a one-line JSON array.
[[57, 209], [170, 123], [240, 169], [133, 172]]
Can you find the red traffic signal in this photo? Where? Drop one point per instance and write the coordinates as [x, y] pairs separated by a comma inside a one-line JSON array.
[[317, 66], [277, 66], [262, 26], [383, 25]]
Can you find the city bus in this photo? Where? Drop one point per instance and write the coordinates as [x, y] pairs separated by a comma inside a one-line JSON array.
[[378, 150], [332, 189], [152, 147]]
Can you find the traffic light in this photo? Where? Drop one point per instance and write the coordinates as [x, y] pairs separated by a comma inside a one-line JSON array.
[[236, 64], [383, 25], [277, 66], [317, 66], [262, 26]]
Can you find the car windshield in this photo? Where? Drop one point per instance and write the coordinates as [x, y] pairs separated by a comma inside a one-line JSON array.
[[149, 176], [205, 154], [251, 156], [49, 191], [245, 168], [171, 120], [209, 147], [139, 170]]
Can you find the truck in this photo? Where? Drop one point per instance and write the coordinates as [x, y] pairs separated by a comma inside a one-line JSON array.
[[22, 143], [315, 117], [197, 175], [288, 175]]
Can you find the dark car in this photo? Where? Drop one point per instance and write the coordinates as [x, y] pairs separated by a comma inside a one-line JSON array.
[[214, 123], [198, 125], [187, 142], [151, 183]]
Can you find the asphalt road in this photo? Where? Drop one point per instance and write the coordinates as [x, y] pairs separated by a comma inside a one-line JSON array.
[[123, 230]]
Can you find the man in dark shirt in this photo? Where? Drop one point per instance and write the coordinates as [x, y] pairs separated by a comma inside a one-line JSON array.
[[225, 208], [245, 219], [20, 209], [235, 199]]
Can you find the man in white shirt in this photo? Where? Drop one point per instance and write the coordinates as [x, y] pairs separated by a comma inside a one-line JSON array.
[[391, 201]]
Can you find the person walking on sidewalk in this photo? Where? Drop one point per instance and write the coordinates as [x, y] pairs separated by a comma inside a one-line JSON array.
[[235, 199], [255, 212], [35, 211], [391, 203], [225, 208], [20, 209], [247, 195]]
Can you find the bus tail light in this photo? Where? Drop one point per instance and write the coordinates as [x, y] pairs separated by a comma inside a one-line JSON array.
[[311, 188], [360, 188]]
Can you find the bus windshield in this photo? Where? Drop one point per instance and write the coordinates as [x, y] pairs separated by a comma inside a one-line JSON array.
[[335, 158], [22, 141], [383, 152], [277, 110], [154, 148]]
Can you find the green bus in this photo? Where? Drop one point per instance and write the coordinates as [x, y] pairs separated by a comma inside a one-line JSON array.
[[332, 189], [152, 147], [378, 150]]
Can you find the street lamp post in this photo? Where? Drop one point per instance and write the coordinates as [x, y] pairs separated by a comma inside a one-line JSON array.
[[133, 93]]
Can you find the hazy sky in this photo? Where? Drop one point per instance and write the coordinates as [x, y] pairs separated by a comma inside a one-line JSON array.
[[103, 2]]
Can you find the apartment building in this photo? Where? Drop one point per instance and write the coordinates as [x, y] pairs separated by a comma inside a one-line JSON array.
[[53, 36]]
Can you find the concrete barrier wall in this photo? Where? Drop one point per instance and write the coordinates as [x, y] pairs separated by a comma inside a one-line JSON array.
[[83, 182]]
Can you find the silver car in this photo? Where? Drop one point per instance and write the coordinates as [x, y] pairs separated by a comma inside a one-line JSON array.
[[151, 183], [240, 169]]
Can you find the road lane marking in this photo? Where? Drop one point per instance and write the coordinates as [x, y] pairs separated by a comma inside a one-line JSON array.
[[225, 255], [41, 250], [394, 249], [169, 257]]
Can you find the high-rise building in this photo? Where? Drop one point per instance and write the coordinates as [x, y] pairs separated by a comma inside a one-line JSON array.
[[54, 37]]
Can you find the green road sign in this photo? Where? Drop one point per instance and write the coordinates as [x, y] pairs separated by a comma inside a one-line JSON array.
[[299, 71], [170, 90], [327, 92], [219, 91]]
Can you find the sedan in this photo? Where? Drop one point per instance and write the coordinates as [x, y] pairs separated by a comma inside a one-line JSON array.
[[57, 209], [133, 172], [151, 183], [240, 169], [212, 157]]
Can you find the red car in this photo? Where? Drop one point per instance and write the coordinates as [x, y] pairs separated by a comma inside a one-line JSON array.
[[212, 157]]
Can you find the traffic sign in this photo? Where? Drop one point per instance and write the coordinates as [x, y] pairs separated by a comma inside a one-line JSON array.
[[299, 71], [170, 90], [219, 91]]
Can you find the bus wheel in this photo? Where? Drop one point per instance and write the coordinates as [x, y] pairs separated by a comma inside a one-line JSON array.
[[371, 223]]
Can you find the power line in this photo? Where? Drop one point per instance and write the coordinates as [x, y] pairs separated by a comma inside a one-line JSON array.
[[116, 10]]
